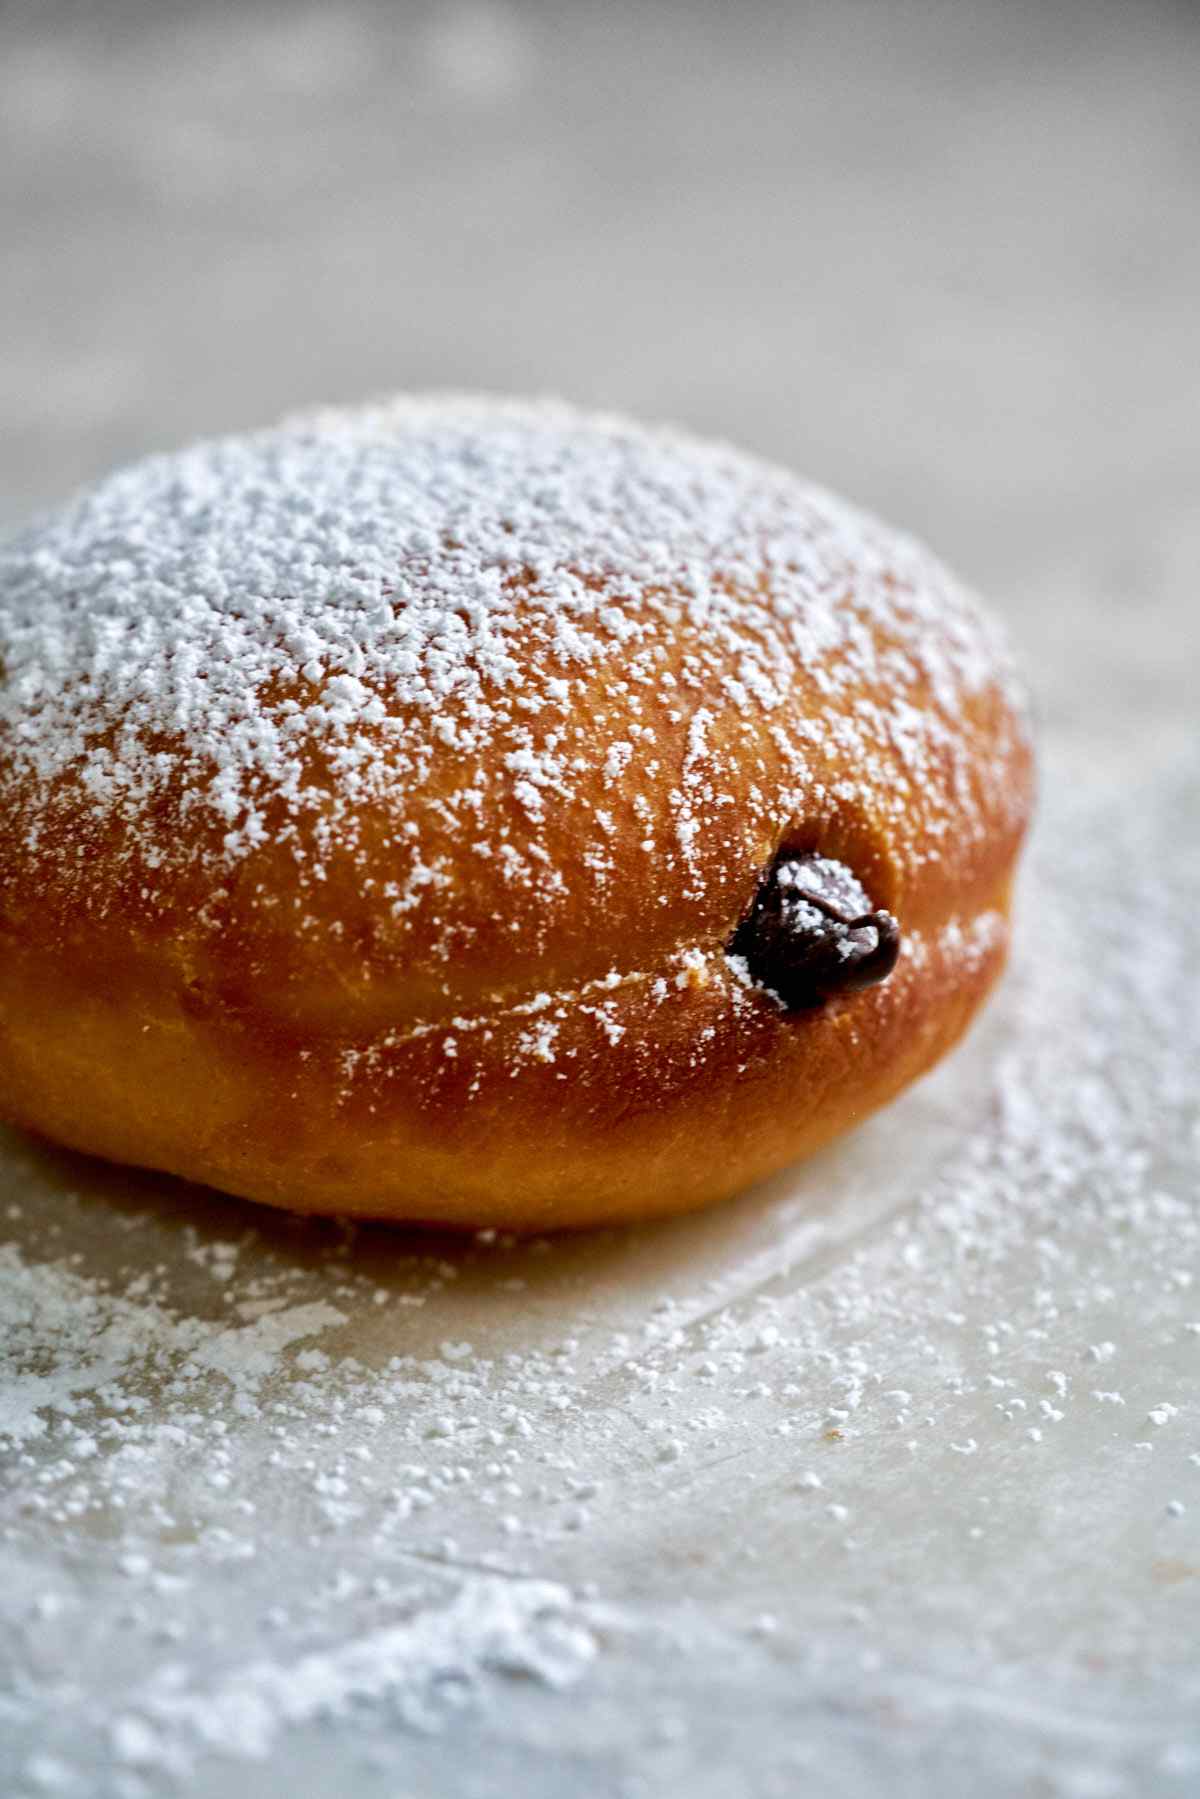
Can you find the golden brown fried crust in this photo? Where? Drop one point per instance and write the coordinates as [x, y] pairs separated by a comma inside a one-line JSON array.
[[368, 1012], [346, 1066], [705, 1088]]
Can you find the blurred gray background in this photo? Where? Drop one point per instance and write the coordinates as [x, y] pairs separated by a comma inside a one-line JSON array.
[[945, 257]]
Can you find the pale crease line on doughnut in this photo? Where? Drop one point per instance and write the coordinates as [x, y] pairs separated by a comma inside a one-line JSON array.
[[693, 971], [695, 968]]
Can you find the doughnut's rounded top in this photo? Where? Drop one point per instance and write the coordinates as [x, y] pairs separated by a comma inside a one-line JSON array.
[[384, 712]]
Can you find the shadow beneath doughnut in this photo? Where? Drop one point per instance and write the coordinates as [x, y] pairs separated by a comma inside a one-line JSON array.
[[198, 1253]]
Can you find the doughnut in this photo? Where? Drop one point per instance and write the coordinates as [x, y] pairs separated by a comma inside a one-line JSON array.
[[484, 814]]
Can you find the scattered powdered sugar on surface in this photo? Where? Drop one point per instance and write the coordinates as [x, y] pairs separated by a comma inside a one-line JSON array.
[[267, 633], [514, 1627], [64, 1339], [393, 1512]]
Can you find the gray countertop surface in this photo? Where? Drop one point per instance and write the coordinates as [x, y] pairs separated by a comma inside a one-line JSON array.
[[885, 1478]]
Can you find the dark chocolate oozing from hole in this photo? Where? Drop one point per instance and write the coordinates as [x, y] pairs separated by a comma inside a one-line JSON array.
[[811, 935]]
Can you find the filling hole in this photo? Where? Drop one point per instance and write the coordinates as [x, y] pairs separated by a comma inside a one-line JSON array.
[[812, 934]]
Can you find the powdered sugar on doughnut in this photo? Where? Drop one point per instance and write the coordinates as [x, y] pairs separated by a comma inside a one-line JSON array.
[[384, 594]]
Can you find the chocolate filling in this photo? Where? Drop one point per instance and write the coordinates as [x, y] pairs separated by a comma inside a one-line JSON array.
[[802, 940]]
